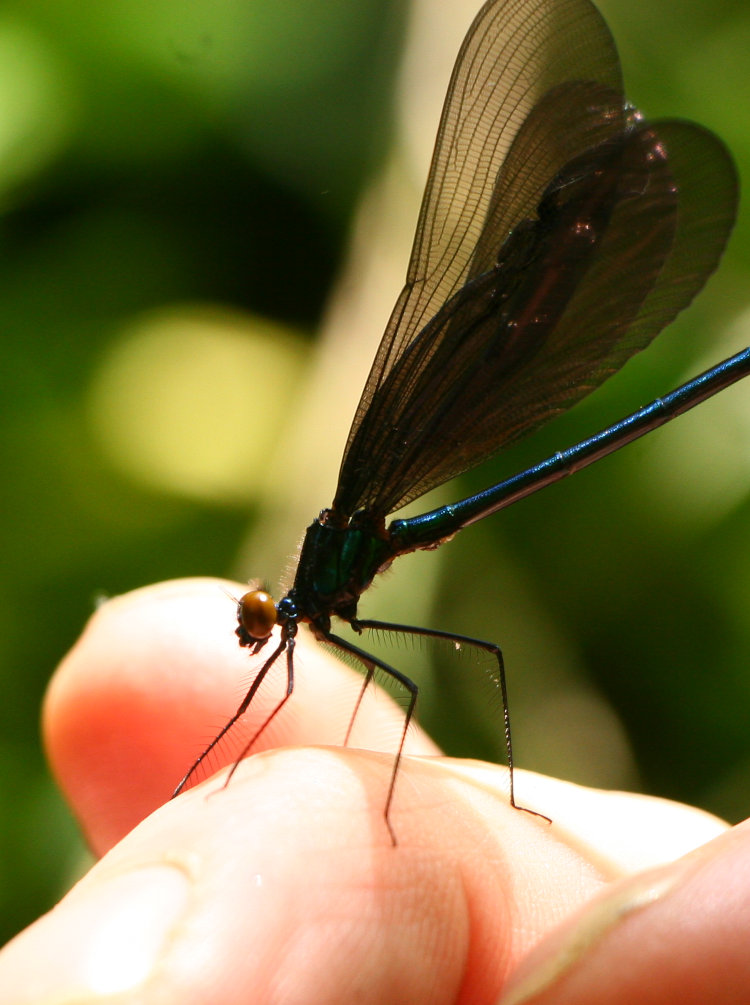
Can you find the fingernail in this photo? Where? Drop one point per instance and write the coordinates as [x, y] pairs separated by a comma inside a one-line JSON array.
[[105, 937], [597, 922]]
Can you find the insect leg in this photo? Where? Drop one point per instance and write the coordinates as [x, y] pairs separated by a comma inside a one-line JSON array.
[[289, 689], [245, 704], [490, 647], [371, 663]]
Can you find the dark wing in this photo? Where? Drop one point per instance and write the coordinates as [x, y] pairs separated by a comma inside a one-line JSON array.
[[514, 53], [557, 236]]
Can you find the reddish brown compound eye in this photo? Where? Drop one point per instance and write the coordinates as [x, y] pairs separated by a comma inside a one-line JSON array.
[[257, 614]]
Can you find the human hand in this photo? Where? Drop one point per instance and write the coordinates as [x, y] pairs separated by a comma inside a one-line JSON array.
[[284, 886]]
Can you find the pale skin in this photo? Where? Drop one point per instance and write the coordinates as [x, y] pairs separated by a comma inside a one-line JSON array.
[[284, 886]]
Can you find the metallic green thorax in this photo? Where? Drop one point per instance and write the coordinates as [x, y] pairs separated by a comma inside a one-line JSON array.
[[336, 565]]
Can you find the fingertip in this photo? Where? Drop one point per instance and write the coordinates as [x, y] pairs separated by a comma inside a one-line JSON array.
[[674, 933], [293, 862], [292, 859], [119, 717]]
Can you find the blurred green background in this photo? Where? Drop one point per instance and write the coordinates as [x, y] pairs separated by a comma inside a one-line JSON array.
[[206, 217]]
